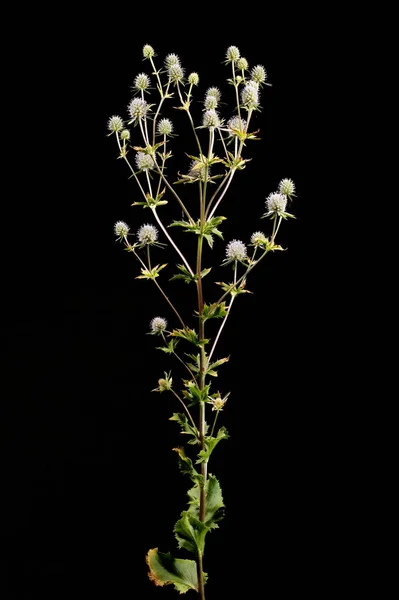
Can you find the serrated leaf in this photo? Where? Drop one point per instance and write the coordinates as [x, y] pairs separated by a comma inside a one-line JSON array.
[[186, 428], [210, 370], [194, 395], [170, 348], [209, 239], [214, 502], [187, 468], [210, 445], [185, 275], [213, 311], [190, 533], [166, 570], [205, 272], [190, 335], [151, 274]]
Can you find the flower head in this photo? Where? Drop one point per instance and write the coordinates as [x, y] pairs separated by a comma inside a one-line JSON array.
[[258, 238], [259, 74], [215, 92], [164, 384], [125, 134], [148, 51], [236, 250], [198, 170], [115, 124], [210, 102], [144, 161], [158, 325], [217, 401], [236, 124], [287, 187], [242, 63], [147, 234], [142, 82], [138, 109], [193, 79], [171, 59], [165, 127], [121, 229], [232, 54], [211, 119], [250, 95], [276, 202]]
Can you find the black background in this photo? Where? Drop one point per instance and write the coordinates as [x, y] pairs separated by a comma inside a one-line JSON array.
[[90, 481]]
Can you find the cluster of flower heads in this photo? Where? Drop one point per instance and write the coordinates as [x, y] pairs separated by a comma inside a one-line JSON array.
[[144, 161], [276, 203], [174, 69], [147, 234]]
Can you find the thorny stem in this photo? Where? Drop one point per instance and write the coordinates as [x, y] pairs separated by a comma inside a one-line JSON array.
[[184, 406], [154, 210]]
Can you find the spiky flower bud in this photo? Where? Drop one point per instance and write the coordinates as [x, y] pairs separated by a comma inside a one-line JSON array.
[[214, 91], [171, 59], [144, 161], [242, 63], [237, 124], [287, 187], [148, 51], [125, 134], [236, 250], [193, 79], [259, 74], [165, 127], [115, 124], [258, 238], [198, 170], [176, 72], [164, 384], [276, 202], [138, 109], [158, 325], [250, 95], [121, 229], [210, 102], [211, 119], [142, 82], [232, 54], [147, 234], [217, 401]]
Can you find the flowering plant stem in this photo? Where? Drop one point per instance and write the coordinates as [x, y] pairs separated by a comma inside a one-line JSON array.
[[206, 503]]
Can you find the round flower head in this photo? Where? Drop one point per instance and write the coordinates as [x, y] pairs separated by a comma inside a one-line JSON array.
[[250, 94], [232, 54], [236, 250], [258, 238], [176, 73], [142, 82], [276, 202], [287, 187], [144, 161], [121, 229], [148, 51], [138, 109], [242, 63], [198, 170], [147, 234], [215, 92], [210, 102], [211, 119], [193, 79], [115, 124], [158, 325], [172, 59], [165, 127], [125, 134], [235, 123], [259, 74]]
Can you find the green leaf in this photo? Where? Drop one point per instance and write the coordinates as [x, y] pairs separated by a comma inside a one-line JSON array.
[[186, 428], [194, 394], [153, 274], [185, 275], [205, 272], [209, 239], [214, 502], [165, 570], [210, 370], [210, 444], [170, 348], [190, 533], [190, 335], [187, 468], [214, 311]]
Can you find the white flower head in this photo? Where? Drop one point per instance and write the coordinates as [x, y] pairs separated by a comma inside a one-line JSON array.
[[193, 79], [121, 229], [287, 187], [115, 124], [148, 51], [232, 54], [242, 64], [258, 238], [211, 119], [144, 161], [176, 73], [250, 95], [259, 74], [236, 250], [276, 202], [165, 127], [171, 59], [142, 82], [237, 124], [158, 325], [125, 134], [215, 92], [210, 102], [138, 109], [147, 234]]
